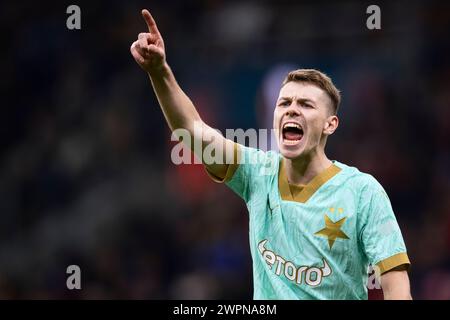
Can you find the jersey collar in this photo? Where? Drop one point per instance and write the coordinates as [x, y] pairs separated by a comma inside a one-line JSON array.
[[309, 189]]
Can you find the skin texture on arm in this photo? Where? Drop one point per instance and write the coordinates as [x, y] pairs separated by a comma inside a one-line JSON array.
[[395, 285], [179, 111]]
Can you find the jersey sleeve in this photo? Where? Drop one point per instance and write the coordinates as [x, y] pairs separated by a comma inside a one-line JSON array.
[[246, 173], [380, 233]]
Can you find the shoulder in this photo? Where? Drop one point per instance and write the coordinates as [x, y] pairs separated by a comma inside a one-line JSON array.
[[357, 180], [257, 159], [253, 152], [367, 191]]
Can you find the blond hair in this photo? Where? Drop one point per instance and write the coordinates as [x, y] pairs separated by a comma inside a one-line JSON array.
[[319, 79]]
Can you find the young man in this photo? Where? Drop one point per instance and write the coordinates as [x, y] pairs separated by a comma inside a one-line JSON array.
[[315, 224]]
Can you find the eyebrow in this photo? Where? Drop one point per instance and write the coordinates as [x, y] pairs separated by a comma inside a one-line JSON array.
[[300, 99]]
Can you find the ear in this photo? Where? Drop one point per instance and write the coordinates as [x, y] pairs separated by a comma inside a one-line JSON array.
[[330, 125]]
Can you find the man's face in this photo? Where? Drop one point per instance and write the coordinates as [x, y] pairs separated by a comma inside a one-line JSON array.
[[302, 117]]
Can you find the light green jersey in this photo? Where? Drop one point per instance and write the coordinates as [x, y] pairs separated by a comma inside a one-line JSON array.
[[315, 242]]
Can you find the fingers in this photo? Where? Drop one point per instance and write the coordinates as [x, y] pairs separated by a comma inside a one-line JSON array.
[[145, 49], [135, 52], [151, 24], [148, 49], [148, 38], [154, 49], [141, 50], [146, 42], [143, 42]]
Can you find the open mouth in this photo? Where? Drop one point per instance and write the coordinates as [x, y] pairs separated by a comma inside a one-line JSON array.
[[292, 133]]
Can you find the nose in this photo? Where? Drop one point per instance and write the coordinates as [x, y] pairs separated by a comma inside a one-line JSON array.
[[292, 112]]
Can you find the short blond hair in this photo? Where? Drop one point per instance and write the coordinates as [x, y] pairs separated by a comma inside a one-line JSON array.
[[319, 79]]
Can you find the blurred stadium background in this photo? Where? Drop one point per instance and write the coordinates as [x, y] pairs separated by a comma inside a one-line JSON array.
[[85, 171]]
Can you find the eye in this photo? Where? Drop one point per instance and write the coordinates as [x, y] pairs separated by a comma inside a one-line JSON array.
[[284, 103]]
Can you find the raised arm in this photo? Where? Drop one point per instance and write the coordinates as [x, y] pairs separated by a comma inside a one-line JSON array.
[[180, 113]]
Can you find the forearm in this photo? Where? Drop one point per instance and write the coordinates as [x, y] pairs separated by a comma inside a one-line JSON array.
[[176, 106]]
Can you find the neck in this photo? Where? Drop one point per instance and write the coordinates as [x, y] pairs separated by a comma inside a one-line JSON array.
[[303, 169]]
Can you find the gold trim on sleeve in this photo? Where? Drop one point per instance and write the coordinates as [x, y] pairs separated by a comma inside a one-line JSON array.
[[231, 168], [393, 262]]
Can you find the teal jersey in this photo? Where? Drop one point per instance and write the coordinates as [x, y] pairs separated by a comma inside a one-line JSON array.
[[315, 242]]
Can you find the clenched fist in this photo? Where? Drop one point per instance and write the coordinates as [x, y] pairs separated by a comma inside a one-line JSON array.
[[148, 50]]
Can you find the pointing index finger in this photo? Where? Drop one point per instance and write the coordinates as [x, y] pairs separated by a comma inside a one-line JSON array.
[[151, 24]]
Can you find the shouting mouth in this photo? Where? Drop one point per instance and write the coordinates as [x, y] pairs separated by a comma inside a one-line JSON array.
[[292, 133]]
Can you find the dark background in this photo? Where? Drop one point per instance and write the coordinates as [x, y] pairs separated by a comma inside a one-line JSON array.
[[85, 170]]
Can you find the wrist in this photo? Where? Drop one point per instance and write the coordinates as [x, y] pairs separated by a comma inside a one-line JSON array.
[[159, 72]]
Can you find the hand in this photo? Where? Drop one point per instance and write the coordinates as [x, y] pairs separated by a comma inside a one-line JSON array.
[[148, 50]]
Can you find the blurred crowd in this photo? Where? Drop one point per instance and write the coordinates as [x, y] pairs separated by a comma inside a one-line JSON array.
[[85, 171]]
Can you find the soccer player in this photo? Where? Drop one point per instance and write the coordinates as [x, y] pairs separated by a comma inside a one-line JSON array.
[[315, 224]]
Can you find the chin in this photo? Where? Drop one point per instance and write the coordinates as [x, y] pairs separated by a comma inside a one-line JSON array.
[[291, 151]]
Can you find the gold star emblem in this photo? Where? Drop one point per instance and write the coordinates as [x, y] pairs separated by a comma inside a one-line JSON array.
[[332, 230]]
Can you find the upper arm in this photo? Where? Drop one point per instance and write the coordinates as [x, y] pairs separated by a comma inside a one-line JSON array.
[[212, 148], [220, 156], [249, 172], [396, 285]]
